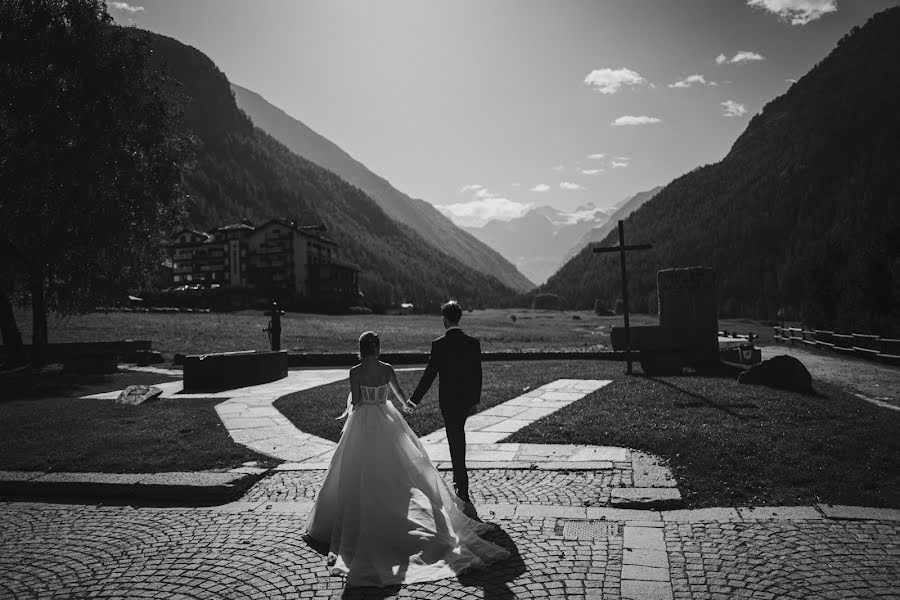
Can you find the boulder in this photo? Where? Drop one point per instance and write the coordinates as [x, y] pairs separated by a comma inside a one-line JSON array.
[[782, 372], [138, 394]]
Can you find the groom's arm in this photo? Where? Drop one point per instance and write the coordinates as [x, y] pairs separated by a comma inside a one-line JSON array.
[[431, 371]]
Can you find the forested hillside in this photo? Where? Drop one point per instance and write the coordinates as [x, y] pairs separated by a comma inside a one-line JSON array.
[[243, 173], [421, 216], [803, 214]]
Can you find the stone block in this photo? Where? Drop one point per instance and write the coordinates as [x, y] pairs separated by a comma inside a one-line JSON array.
[[646, 590], [658, 498], [864, 513], [644, 557], [230, 370], [138, 394], [701, 515], [688, 303], [645, 573], [649, 538], [779, 513], [621, 514], [541, 510]]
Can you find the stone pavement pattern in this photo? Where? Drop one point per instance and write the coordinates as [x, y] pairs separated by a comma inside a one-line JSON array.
[[255, 550]]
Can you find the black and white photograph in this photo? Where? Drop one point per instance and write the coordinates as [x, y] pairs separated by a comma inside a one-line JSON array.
[[449, 299]]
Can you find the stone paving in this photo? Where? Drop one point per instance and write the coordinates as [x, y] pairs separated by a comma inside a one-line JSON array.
[[254, 549]]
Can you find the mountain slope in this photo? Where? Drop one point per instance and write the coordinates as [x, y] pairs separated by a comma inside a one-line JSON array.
[[625, 208], [803, 214], [537, 241], [417, 214], [241, 172]]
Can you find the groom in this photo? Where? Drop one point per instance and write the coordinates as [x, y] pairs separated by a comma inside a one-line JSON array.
[[456, 357]]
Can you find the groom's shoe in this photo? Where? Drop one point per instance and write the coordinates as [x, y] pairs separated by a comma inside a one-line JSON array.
[[463, 495]]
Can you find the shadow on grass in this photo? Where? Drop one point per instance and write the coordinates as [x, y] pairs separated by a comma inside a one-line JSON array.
[[704, 399], [54, 382]]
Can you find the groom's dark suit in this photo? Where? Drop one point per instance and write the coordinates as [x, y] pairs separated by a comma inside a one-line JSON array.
[[456, 357]]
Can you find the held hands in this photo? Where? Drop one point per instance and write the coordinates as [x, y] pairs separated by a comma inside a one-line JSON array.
[[408, 407]]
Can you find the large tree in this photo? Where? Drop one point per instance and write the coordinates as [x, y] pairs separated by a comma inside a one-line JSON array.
[[91, 155]]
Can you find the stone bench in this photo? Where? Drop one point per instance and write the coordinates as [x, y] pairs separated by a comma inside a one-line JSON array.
[[229, 370]]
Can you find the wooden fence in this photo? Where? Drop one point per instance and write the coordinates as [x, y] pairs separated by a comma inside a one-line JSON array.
[[872, 347]]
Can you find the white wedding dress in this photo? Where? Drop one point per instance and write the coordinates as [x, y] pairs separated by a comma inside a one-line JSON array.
[[385, 512]]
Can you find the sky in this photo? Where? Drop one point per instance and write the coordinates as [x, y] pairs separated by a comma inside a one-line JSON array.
[[486, 108]]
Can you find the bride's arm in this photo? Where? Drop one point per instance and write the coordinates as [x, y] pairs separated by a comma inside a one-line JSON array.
[[354, 388], [398, 391]]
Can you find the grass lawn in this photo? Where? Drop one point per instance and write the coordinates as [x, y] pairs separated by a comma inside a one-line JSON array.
[[45, 426], [197, 333], [70, 434], [315, 410], [727, 444]]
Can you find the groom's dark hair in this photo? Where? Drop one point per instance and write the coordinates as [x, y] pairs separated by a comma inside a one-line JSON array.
[[452, 311]]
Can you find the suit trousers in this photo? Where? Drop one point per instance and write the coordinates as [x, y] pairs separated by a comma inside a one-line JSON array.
[[454, 425]]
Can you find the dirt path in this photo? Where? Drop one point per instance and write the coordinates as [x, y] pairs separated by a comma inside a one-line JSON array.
[[881, 382]]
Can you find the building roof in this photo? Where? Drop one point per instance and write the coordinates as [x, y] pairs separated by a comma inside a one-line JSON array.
[[235, 226], [206, 236], [316, 235]]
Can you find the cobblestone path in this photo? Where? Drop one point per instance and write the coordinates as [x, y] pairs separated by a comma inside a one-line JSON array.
[[486, 486], [785, 559], [254, 549]]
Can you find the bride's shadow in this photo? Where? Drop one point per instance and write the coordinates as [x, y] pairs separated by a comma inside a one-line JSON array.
[[493, 579]]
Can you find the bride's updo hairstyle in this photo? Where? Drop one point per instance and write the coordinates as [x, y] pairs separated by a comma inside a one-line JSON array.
[[369, 344]]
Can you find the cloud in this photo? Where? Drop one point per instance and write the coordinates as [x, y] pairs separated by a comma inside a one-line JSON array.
[[541, 187], [631, 120], [608, 81], [746, 56], [741, 57], [791, 80], [478, 212], [733, 109], [114, 4], [471, 187], [798, 12], [590, 171], [619, 164], [691, 80], [568, 185], [597, 156], [559, 168]]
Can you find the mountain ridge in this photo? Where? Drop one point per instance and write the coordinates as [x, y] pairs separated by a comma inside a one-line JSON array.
[[801, 218], [417, 214], [241, 172], [623, 209]]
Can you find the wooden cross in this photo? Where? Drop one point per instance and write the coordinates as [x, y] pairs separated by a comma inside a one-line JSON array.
[[622, 249]]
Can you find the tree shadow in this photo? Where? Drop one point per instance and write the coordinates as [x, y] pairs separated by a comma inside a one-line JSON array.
[[705, 400]]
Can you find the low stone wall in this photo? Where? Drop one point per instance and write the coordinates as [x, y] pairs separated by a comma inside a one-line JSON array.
[[336, 359], [229, 370]]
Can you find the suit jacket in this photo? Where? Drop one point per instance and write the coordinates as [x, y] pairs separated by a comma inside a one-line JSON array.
[[456, 357]]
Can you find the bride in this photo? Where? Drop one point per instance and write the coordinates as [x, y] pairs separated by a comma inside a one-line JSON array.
[[385, 512]]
